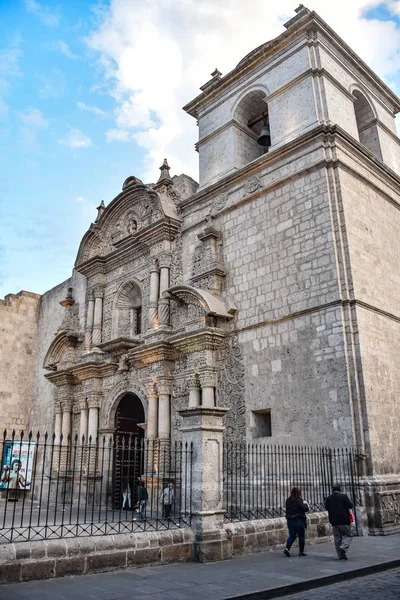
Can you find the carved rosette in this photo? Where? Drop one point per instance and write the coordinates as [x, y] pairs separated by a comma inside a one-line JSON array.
[[220, 201], [252, 185]]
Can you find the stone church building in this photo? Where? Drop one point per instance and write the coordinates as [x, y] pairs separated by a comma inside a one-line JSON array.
[[270, 288]]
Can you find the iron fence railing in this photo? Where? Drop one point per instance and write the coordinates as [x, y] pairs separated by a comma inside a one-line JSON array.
[[258, 478], [68, 488]]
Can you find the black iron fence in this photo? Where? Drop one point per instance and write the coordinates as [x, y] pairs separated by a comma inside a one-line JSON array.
[[258, 478], [53, 488]]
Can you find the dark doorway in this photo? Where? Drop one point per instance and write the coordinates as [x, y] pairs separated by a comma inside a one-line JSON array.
[[129, 449]]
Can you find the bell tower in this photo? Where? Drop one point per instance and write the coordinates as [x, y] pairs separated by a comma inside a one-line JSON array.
[[288, 87]]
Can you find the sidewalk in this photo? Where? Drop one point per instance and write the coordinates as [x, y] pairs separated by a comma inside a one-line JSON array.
[[253, 576]]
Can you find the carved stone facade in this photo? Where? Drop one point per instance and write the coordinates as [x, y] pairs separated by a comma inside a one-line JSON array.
[[269, 289]]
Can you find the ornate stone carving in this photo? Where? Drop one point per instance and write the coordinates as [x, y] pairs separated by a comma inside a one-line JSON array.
[[176, 274], [390, 508], [252, 185], [220, 201], [230, 388], [208, 378], [123, 364]]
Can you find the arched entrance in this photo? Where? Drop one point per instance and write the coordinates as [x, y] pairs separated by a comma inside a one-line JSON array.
[[128, 453]]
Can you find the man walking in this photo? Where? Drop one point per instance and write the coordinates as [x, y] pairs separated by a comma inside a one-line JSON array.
[[338, 506]]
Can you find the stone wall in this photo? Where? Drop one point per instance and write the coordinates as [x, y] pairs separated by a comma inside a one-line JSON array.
[[372, 227], [27, 561], [18, 339], [260, 535], [50, 318]]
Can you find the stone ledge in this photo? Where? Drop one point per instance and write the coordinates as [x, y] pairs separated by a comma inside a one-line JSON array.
[[26, 561]]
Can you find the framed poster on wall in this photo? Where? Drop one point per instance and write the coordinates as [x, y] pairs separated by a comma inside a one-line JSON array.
[[17, 465]]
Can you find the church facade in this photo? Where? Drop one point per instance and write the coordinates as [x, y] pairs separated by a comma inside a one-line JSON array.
[[271, 288]]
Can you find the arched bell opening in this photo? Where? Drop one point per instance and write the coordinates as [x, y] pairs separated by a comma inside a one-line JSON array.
[[129, 448], [252, 136], [366, 124]]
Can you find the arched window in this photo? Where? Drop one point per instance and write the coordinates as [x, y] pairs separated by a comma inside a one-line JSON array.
[[252, 115], [127, 316], [366, 124]]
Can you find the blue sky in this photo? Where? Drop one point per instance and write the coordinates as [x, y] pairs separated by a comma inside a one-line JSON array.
[[91, 93]]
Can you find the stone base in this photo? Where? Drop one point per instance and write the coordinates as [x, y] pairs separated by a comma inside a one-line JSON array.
[[26, 561], [260, 535], [382, 500], [213, 545]]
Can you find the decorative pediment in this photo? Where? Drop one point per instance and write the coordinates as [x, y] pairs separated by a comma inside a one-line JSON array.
[[211, 305], [61, 344], [138, 209]]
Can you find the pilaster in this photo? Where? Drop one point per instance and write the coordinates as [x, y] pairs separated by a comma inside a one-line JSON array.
[[204, 427]]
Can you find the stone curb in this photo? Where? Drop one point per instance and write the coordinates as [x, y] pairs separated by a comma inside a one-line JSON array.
[[311, 584]]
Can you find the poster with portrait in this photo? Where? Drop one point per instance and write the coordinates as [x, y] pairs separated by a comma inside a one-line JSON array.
[[17, 465]]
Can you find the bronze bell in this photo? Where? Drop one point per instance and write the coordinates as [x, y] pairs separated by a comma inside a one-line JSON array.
[[264, 139]]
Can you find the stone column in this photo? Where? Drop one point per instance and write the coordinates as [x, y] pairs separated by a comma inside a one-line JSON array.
[[194, 391], [164, 415], [152, 416], [93, 424], [83, 426], [163, 305], [207, 380], [66, 406], [58, 424], [153, 300], [89, 322], [98, 315], [204, 427]]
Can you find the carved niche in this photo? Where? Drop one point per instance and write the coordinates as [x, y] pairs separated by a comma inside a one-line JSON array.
[[127, 311], [208, 271]]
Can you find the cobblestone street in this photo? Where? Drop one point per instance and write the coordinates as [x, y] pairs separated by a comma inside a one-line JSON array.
[[371, 587]]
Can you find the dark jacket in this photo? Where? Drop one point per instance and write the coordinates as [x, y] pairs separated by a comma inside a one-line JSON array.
[[296, 509], [338, 506], [142, 495]]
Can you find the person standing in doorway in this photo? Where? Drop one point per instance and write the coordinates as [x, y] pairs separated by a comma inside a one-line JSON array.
[[338, 506], [142, 499], [296, 510], [167, 499]]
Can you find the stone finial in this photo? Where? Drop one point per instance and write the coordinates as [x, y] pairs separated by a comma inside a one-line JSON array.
[[68, 300], [165, 177], [100, 209], [216, 73]]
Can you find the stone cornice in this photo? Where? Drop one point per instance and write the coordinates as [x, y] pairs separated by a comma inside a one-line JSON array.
[[80, 372], [312, 22], [165, 229], [150, 353], [327, 133], [208, 338]]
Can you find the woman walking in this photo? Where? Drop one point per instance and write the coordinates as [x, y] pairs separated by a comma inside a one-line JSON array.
[[296, 510]]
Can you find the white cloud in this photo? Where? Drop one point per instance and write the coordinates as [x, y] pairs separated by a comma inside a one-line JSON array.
[[30, 123], [157, 53], [9, 67], [93, 109], [61, 46], [52, 85], [43, 13], [79, 199], [75, 138], [33, 118], [119, 135]]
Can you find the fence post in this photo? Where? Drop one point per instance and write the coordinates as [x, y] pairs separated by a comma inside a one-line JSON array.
[[204, 427]]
